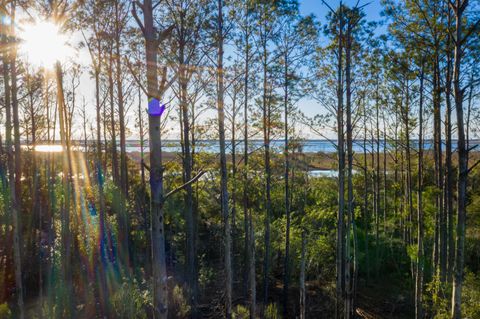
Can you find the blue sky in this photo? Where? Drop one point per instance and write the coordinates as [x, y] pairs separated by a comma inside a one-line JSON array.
[[316, 7], [373, 13]]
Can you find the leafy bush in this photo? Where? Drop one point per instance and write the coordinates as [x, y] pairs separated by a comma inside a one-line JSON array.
[[272, 311], [181, 308], [5, 312], [131, 301], [471, 295], [241, 312]]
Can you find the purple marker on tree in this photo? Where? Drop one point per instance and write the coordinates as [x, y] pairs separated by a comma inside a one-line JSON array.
[[154, 107]]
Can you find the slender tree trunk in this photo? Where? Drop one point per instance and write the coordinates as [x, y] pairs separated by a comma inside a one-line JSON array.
[[8, 63], [190, 218], [448, 158], [409, 182], [420, 229], [249, 230], [159, 269], [286, 274], [66, 170], [268, 174], [376, 176], [101, 196], [303, 292], [121, 107], [366, 219], [340, 249], [223, 164], [349, 276], [125, 236], [458, 8], [439, 251], [113, 130]]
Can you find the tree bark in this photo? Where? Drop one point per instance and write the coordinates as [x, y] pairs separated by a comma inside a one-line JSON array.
[[223, 164], [340, 249], [8, 62], [420, 228], [248, 220], [159, 270], [286, 275], [458, 8]]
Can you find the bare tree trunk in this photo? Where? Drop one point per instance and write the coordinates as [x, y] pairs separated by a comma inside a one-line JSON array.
[[439, 251], [66, 170], [113, 130], [17, 240], [340, 249], [376, 176], [159, 269], [286, 274], [458, 9], [303, 292], [121, 107], [248, 220], [8, 62], [223, 164], [449, 193], [101, 195], [420, 230], [366, 219], [190, 218], [409, 182], [125, 235], [268, 178], [349, 276]]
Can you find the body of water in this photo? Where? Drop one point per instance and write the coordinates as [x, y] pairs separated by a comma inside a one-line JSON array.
[[306, 146]]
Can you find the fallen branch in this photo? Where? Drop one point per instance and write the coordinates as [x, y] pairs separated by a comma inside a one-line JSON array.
[[473, 166], [193, 180]]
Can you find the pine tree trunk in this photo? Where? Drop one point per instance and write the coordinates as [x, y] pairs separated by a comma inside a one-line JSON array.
[[8, 61], [340, 249], [190, 219], [449, 193], [66, 170], [366, 219], [287, 191], [248, 220], [458, 9], [268, 174], [113, 131], [420, 229], [159, 269], [223, 165], [349, 276], [303, 292]]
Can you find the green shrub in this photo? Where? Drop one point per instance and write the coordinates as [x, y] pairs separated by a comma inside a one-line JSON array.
[[272, 312], [471, 296], [241, 312], [5, 312], [181, 308], [131, 301]]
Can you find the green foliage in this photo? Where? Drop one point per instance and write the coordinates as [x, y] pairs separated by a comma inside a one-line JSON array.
[[241, 312], [471, 295], [181, 308], [412, 252], [434, 298], [272, 311], [5, 312], [131, 300]]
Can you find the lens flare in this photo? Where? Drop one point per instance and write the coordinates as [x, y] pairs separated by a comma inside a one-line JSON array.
[[43, 44]]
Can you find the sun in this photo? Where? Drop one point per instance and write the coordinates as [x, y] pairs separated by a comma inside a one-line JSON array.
[[43, 44]]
